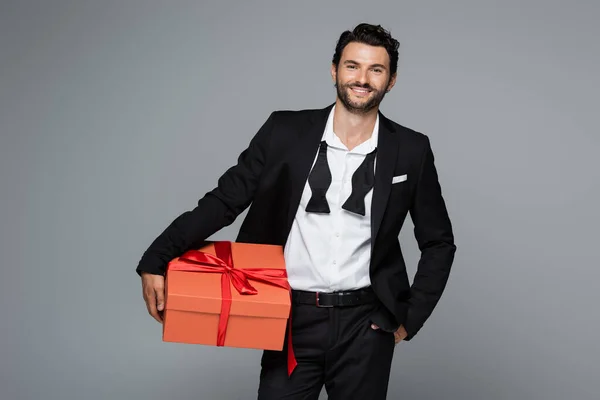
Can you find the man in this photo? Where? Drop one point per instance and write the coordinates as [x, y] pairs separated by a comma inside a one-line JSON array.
[[333, 186]]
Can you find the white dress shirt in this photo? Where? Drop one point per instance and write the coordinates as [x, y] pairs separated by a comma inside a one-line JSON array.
[[332, 252]]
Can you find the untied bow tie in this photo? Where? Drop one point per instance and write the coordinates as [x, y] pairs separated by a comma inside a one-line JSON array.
[[319, 181]]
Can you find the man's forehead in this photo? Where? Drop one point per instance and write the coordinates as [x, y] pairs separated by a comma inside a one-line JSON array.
[[364, 53]]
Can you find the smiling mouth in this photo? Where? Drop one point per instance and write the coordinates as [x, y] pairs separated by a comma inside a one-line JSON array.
[[360, 91]]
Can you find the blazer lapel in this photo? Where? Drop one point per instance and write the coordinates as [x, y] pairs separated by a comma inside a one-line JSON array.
[[387, 152], [305, 150]]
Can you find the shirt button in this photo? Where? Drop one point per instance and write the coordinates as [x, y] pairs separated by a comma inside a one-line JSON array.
[[337, 234], [334, 262]]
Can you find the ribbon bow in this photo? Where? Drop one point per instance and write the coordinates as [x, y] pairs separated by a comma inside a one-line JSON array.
[[222, 263]]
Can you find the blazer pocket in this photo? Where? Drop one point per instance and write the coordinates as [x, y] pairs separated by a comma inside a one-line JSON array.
[[399, 178]]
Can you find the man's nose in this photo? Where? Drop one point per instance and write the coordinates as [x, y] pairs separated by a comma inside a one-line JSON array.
[[363, 77]]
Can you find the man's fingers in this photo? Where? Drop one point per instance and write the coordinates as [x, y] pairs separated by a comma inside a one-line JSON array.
[[153, 288], [160, 298], [374, 326], [150, 298]]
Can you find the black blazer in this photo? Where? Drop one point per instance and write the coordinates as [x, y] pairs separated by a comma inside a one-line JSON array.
[[270, 175]]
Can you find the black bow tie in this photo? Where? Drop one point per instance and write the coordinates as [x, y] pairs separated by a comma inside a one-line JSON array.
[[319, 181]]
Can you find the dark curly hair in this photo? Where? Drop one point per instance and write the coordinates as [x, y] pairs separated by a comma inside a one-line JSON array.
[[373, 35]]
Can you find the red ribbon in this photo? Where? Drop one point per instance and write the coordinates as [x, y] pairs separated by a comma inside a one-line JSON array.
[[222, 263]]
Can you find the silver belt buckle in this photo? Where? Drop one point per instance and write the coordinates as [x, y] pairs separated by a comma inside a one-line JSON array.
[[319, 304]]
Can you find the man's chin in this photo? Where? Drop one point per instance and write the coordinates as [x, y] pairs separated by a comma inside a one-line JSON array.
[[359, 107]]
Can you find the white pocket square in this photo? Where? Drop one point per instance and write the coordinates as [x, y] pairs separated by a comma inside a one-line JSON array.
[[399, 178]]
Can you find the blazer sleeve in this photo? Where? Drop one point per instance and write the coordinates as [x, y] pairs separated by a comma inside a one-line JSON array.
[[433, 232], [218, 208]]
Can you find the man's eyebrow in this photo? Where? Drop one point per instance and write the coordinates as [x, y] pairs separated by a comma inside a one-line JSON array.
[[373, 66], [378, 66]]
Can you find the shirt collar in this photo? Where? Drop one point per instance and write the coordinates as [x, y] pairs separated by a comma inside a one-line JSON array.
[[333, 140]]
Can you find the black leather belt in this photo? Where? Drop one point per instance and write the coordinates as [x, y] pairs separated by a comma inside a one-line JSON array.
[[334, 299]]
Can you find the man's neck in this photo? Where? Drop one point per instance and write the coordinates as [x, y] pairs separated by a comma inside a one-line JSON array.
[[353, 129]]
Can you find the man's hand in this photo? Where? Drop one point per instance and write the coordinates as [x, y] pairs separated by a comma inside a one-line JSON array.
[[153, 289], [399, 335]]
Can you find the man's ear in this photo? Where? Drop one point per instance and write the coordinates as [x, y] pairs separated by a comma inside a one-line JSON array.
[[334, 73], [392, 82]]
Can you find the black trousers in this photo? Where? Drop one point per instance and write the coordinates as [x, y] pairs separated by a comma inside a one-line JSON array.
[[336, 348]]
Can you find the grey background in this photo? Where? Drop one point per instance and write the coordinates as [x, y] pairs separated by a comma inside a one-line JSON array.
[[116, 116]]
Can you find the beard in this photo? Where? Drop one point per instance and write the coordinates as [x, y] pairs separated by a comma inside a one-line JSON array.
[[359, 107]]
